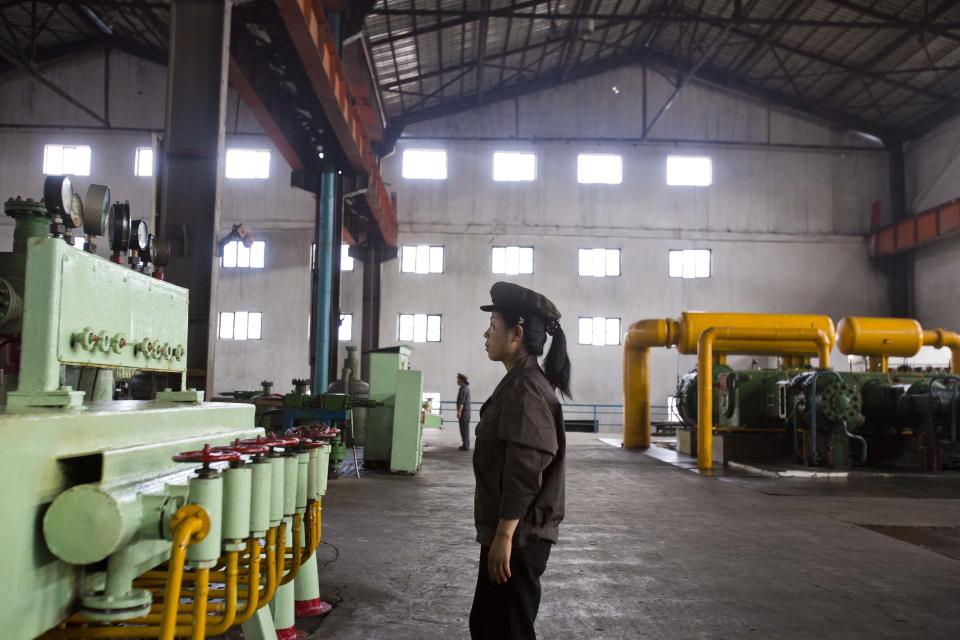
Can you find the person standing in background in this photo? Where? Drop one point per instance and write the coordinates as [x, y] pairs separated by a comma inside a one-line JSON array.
[[463, 410]]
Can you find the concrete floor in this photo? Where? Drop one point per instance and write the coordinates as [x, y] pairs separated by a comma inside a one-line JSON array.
[[651, 550]]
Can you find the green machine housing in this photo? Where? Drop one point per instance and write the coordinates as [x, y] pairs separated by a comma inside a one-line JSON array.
[[74, 310], [394, 430], [903, 418]]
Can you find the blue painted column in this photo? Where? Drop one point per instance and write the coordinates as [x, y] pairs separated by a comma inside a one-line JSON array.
[[323, 265]]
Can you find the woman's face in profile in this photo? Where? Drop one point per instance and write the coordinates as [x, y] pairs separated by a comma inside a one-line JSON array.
[[498, 339]]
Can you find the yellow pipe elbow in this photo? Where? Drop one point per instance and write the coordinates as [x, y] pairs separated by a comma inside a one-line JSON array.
[[941, 338], [639, 338]]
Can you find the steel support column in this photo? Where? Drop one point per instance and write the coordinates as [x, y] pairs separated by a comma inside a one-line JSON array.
[[335, 247], [323, 280], [192, 179], [900, 267], [373, 255]]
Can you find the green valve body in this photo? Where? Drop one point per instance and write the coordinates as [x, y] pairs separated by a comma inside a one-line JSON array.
[[290, 476], [303, 471], [207, 491], [237, 488], [322, 470], [276, 489], [260, 497]]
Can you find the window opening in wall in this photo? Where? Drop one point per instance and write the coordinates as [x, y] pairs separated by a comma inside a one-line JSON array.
[[418, 327], [66, 160], [599, 331], [689, 171], [345, 332], [510, 166], [596, 168], [79, 242], [434, 400], [240, 325], [513, 260], [424, 164], [690, 263], [143, 162], [248, 164], [237, 255], [599, 263], [421, 259]]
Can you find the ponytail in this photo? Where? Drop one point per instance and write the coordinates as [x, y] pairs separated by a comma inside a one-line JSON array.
[[556, 366]]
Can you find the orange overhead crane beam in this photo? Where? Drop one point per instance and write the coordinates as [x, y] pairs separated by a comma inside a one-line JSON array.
[[311, 37], [249, 96], [916, 231]]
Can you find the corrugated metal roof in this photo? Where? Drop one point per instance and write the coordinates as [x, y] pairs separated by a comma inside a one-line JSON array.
[[884, 64]]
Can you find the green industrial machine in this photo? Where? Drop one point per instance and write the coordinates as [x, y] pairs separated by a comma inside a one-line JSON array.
[[898, 418], [394, 430], [103, 491]]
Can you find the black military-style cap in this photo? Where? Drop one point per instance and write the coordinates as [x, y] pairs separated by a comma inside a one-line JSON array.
[[507, 296]]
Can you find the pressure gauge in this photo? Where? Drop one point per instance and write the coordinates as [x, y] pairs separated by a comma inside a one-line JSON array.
[[119, 227], [58, 195], [96, 210], [74, 217], [139, 236], [149, 253]]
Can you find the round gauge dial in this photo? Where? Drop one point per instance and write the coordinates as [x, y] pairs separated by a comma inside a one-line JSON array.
[[58, 195], [96, 210], [74, 217], [139, 235], [149, 254], [119, 227]]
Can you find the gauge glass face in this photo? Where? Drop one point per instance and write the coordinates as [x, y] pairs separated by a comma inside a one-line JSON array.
[[143, 237], [66, 194]]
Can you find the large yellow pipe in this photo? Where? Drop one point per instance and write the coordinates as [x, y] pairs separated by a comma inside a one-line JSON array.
[[941, 338], [684, 334], [636, 377], [708, 340]]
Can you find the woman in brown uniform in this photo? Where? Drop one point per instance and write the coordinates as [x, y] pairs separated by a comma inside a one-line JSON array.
[[518, 462]]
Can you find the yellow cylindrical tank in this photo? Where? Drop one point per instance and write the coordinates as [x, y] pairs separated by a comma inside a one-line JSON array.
[[900, 337], [694, 323]]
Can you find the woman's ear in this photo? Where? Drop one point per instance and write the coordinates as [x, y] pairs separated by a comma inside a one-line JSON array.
[[518, 333]]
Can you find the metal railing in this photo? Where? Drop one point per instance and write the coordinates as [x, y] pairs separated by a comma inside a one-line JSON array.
[[603, 417]]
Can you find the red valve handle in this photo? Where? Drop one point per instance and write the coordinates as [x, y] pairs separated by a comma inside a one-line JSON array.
[[273, 440], [247, 449], [207, 456]]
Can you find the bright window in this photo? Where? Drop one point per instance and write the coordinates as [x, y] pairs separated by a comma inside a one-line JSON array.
[[235, 255], [143, 162], [79, 242], [673, 414], [66, 160], [240, 325], [510, 166], [599, 263], [345, 332], [346, 262], [425, 164], [513, 260], [418, 327], [689, 171], [599, 331], [595, 168], [690, 263], [421, 259], [248, 164], [434, 400]]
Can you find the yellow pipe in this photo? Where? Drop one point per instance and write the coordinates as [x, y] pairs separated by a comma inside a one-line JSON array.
[[705, 346], [639, 338], [199, 630], [271, 588], [253, 593], [941, 338], [297, 552]]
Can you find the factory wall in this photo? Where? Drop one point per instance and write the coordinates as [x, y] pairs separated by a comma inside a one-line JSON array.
[[784, 217], [933, 176], [784, 222]]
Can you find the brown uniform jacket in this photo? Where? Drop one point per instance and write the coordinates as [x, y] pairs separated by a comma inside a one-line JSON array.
[[518, 458]]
